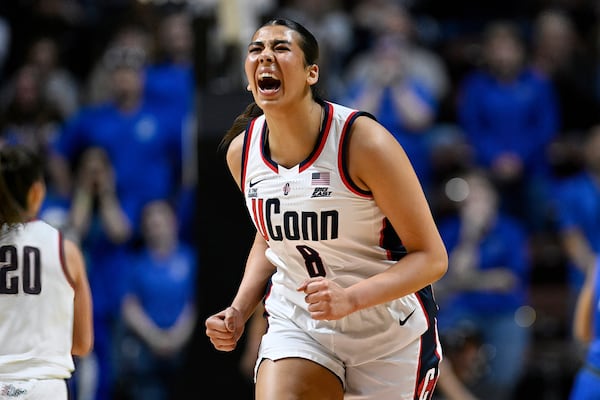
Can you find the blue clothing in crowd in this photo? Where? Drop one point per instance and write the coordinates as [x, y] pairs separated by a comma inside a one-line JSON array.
[[164, 286], [415, 144], [505, 245], [577, 206], [144, 148], [521, 116], [171, 86], [586, 385], [494, 313]]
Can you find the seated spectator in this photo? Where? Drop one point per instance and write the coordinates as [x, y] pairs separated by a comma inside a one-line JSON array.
[[487, 281], [159, 308], [576, 202], [98, 222]]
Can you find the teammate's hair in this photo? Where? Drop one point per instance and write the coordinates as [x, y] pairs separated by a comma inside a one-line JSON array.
[[310, 47], [20, 168]]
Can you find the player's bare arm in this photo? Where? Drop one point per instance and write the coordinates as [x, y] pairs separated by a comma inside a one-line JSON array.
[[398, 193], [83, 333]]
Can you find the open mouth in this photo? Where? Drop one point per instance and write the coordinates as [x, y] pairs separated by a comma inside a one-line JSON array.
[[268, 83]]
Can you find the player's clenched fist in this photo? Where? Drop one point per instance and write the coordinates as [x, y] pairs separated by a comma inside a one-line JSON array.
[[326, 299], [225, 329]]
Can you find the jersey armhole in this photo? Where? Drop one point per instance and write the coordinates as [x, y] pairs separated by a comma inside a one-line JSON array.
[[343, 155]]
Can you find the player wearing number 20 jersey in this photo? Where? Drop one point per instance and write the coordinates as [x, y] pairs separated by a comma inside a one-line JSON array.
[[317, 222], [36, 304]]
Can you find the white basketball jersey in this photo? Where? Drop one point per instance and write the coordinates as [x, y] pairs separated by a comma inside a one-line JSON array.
[[36, 304], [317, 222]]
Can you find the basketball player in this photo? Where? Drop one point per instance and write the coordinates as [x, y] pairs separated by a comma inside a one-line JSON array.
[[344, 235], [586, 328], [45, 302]]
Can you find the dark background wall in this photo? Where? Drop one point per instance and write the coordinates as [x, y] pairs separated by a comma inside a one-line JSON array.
[[224, 236]]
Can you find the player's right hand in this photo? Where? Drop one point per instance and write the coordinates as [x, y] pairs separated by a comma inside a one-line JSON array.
[[225, 329]]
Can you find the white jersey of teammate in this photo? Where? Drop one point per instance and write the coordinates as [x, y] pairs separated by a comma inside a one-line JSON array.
[[317, 222], [36, 304]]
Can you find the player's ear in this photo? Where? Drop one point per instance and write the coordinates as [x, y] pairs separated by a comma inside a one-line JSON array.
[[313, 74]]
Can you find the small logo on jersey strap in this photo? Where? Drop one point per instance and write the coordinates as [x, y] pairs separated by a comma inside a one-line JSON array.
[[321, 192], [403, 321], [320, 179], [252, 184], [286, 189]]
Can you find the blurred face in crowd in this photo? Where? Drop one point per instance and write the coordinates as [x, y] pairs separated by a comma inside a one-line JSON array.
[[554, 37], [176, 35], [159, 224], [503, 52], [44, 54], [592, 150], [127, 84], [480, 206], [27, 88]]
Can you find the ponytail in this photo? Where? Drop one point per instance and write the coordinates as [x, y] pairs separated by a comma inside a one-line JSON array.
[[19, 169], [239, 124], [10, 212]]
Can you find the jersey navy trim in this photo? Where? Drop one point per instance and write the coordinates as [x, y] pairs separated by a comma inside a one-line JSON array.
[[343, 155], [264, 148], [323, 134], [247, 137], [429, 355], [391, 242], [316, 151]]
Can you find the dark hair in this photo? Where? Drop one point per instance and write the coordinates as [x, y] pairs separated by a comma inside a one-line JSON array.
[[310, 47], [19, 169]]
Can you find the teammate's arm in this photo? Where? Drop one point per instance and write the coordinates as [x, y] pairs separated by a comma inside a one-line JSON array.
[[83, 333]]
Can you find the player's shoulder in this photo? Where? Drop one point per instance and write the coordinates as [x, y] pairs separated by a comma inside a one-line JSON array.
[[41, 226]]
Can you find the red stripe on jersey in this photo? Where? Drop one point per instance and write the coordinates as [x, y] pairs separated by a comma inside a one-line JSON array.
[[258, 216]]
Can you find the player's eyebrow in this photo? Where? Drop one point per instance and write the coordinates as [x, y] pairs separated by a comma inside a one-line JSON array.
[[274, 42]]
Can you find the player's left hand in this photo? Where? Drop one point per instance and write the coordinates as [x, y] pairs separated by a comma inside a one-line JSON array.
[[326, 299], [225, 329]]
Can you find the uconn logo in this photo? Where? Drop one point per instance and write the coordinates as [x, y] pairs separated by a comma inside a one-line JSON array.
[[273, 224]]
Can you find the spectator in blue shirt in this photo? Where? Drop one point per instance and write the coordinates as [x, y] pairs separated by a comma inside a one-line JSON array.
[[98, 222], [576, 202], [399, 100], [487, 280], [586, 328], [170, 85], [510, 115], [159, 307], [143, 142]]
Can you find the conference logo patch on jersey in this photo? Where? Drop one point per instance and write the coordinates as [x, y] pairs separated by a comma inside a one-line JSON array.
[[321, 192], [252, 192]]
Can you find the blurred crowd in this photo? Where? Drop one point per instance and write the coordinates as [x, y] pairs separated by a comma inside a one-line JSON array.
[[496, 104]]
